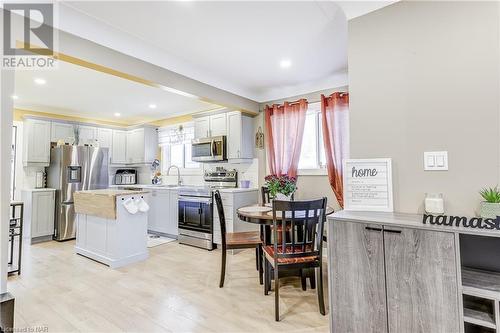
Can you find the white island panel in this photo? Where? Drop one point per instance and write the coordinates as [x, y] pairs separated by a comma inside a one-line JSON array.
[[114, 242]]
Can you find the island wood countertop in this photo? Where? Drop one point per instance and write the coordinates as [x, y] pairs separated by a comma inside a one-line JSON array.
[[101, 203]]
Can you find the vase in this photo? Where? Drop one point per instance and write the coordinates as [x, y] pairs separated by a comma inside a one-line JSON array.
[[282, 197], [489, 210]]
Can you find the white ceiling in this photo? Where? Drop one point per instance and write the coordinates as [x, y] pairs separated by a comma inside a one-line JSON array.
[[81, 92], [233, 45]]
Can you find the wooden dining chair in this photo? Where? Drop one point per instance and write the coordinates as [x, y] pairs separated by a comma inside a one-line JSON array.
[[303, 251], [237, 240]]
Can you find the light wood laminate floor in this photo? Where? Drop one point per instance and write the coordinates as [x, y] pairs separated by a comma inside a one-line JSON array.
[[175, 290]]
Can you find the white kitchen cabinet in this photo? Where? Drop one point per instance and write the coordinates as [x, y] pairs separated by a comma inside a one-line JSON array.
[[239, 137], [87, 135], [105, 137], [61, 131], [218, 124], [119, 147], [135, 140], [36, 142], [213, 125], [38, 214], [142, 145], [230, 202], [159, 207], [173, 220], [202, 127], [163, 216]]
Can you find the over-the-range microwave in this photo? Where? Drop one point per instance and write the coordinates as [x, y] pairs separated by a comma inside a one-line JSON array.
[[211, 149]]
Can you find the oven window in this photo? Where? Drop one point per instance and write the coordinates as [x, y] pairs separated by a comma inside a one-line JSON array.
[[195, 216], [201, 149], [190, 213]]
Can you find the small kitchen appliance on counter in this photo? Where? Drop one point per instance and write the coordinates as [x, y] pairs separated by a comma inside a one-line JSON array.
[[196, 208], [126, 177]]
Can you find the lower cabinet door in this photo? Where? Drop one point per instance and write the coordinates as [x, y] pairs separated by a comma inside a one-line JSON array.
[[159, 211], [422, 288], [358, 281], [43, 214], [173, 214]]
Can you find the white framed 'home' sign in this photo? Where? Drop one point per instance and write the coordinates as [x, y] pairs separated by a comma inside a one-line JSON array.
[[368, 184]]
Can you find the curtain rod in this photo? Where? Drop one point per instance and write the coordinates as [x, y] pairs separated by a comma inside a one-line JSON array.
[[310, 101]]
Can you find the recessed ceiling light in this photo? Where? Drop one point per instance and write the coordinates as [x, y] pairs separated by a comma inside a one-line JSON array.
[[15, 97], [152, 106], [117, 114], [285, 63], [40, 81]]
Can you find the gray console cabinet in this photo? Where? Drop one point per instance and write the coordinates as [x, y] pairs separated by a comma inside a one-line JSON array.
[[397, 280]]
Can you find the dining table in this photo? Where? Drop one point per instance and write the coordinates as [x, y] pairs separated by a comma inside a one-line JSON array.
[[263, 216]]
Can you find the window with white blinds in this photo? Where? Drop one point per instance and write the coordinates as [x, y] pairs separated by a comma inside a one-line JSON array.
[[175, 143]]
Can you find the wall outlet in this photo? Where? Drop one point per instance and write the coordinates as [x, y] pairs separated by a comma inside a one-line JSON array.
[[435, 160]]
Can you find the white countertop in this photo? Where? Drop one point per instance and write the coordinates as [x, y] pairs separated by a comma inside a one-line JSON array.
[[405, 220], [169, 187], [237, 190], [43, 189]]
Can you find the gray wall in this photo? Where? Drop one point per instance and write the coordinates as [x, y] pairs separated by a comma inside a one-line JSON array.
[[424, 76]]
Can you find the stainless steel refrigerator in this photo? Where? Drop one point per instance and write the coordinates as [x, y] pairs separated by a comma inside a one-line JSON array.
[[74, 168]]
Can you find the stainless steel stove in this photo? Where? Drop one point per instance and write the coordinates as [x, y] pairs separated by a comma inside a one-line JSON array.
[[196, 208]]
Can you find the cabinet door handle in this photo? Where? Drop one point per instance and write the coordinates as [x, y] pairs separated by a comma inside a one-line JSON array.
[[394, 231], [373, 229]]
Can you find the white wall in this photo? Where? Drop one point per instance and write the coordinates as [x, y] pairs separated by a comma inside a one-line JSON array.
[[6, 90], [424, 76]]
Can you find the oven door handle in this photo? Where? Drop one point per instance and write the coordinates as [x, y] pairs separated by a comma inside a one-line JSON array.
[[200, 200]]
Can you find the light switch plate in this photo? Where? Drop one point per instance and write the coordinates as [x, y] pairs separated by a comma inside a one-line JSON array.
[[435, 160]]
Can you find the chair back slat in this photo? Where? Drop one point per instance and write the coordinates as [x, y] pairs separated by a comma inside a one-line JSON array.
[[222, 218], [304, 222]]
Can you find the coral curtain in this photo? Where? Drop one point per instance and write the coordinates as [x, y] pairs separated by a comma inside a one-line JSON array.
[[284, 130], [335, 121]]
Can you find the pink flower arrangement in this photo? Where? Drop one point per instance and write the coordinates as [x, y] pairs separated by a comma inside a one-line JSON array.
[[281, 184]]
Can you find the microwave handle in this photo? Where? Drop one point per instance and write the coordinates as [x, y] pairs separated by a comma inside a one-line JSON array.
[[212, 147]]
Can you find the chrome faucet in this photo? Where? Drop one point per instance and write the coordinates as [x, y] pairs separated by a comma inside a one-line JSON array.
[[179, 182]]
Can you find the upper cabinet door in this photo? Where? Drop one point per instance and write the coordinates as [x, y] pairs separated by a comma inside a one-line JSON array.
[[119, 147], [239, 137], [62, 131], [218, 124], [36, 142], [105, 137], [202, 127], [135, 146], [422, 286], [234, 135], [358, 281], [87, 135]]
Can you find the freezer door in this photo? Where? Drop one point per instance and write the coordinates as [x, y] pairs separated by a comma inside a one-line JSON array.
[[65, 222], [98, 176], [73, 171]]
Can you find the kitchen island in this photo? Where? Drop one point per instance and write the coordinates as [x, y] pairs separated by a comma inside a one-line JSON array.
[[106, 231], [391, 272]]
